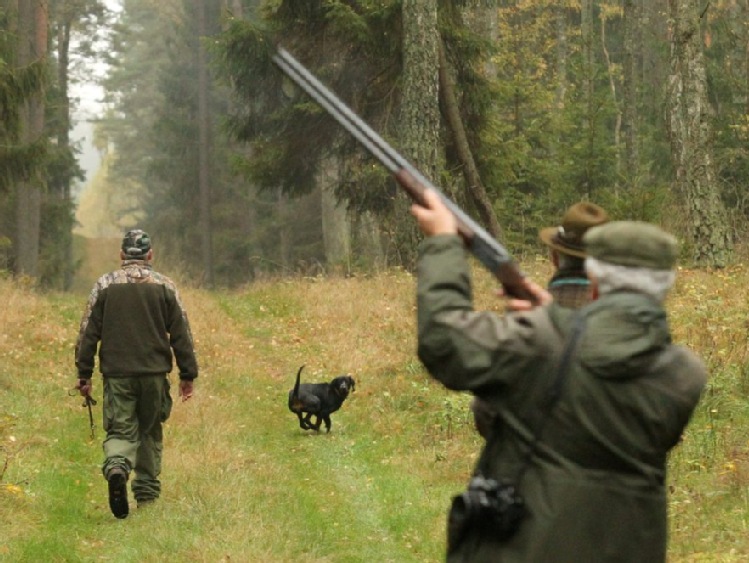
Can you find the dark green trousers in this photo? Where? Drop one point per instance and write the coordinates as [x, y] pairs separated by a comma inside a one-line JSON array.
[[135, 407]]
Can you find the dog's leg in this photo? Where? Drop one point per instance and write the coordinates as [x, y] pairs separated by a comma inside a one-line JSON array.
[[303, 424], [316, 425], [309, 425], [328, 423]]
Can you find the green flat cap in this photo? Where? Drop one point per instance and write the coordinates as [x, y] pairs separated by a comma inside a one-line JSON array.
[[632, 243]]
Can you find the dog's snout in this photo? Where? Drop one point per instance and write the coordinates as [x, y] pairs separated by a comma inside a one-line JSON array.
[[347, 385]]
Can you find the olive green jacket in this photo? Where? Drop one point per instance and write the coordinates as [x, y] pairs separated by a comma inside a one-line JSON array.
[[595, 486]]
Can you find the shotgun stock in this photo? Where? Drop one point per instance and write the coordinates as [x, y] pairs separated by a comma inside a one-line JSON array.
[[480, 243]]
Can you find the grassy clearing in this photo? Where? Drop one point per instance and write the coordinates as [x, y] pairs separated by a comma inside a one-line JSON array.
[[242, 482]]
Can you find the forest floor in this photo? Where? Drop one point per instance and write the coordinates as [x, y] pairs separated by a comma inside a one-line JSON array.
[[242, 482]]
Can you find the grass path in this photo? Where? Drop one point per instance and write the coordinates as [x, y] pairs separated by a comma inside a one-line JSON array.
[[242, 482]]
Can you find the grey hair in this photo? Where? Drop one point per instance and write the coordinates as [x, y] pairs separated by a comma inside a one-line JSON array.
[[613, 277]]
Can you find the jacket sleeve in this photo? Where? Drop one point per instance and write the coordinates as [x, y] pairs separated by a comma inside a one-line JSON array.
[[462, 348], [180, 336], [89, 334]]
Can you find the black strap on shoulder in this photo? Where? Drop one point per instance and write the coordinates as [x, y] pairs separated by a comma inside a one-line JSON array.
[[552, 396], [555, 391]]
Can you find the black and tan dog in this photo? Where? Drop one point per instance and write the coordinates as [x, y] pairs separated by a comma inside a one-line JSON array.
[[318, 399]]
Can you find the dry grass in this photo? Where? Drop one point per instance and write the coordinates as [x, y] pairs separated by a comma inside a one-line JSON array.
[[243, 483]]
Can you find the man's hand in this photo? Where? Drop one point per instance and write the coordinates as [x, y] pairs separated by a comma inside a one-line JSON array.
[[541, 297], [434, 217], [185, 389], [84, 386]]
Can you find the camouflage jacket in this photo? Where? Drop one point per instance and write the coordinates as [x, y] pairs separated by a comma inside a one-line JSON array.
[[135, 317], [594, 486]]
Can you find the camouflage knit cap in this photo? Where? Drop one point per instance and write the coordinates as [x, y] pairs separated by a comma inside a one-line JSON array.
[[136, 244], [632, 243]]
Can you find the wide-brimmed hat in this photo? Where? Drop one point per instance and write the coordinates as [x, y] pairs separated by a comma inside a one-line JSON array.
[[633, 243], [567, 238]]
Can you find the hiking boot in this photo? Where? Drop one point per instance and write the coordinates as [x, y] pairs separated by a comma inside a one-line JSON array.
[[117, 480]]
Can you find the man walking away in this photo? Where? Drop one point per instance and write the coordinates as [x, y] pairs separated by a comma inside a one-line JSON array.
[[136, 319]]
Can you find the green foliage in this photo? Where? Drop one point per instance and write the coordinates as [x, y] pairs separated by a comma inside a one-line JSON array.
[[17, 161], [55, 260], [20, 162], [155, 132], [725, 37], [288, 133], [541, 118], [42, 162]]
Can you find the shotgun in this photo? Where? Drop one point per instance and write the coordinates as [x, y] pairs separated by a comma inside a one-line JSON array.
[[480, 243]]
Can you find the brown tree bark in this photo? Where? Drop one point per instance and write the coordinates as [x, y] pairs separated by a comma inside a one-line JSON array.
[[61, 195], [420, 115], [476, 190], [691, 138], [336, 225]]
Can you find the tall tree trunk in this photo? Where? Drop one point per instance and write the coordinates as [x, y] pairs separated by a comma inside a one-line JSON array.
[[612, 87], [336, 227], [367, 240], [588, 84], [476, 190], [630, 91], [204, 148], [420, 115], [32, 46], [560, 18], [691, 137], [745, 37], [283, 249], [64, 227]]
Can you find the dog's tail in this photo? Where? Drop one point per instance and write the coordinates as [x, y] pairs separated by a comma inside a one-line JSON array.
[[294, 399]]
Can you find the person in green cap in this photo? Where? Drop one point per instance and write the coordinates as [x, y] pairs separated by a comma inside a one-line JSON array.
[[135, 317], [590, 400], [569, 285]]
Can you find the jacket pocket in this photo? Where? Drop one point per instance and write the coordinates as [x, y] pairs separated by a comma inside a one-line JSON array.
[[107, 409], [166, 402]]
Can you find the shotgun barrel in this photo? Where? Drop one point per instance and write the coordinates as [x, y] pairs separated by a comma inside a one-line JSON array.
[[477, 240]]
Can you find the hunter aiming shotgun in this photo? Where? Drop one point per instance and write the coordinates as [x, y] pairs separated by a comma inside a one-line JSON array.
[[480, 243]]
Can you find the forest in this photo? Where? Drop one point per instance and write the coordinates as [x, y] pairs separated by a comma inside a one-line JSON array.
[[293, 246], [515, 109]]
